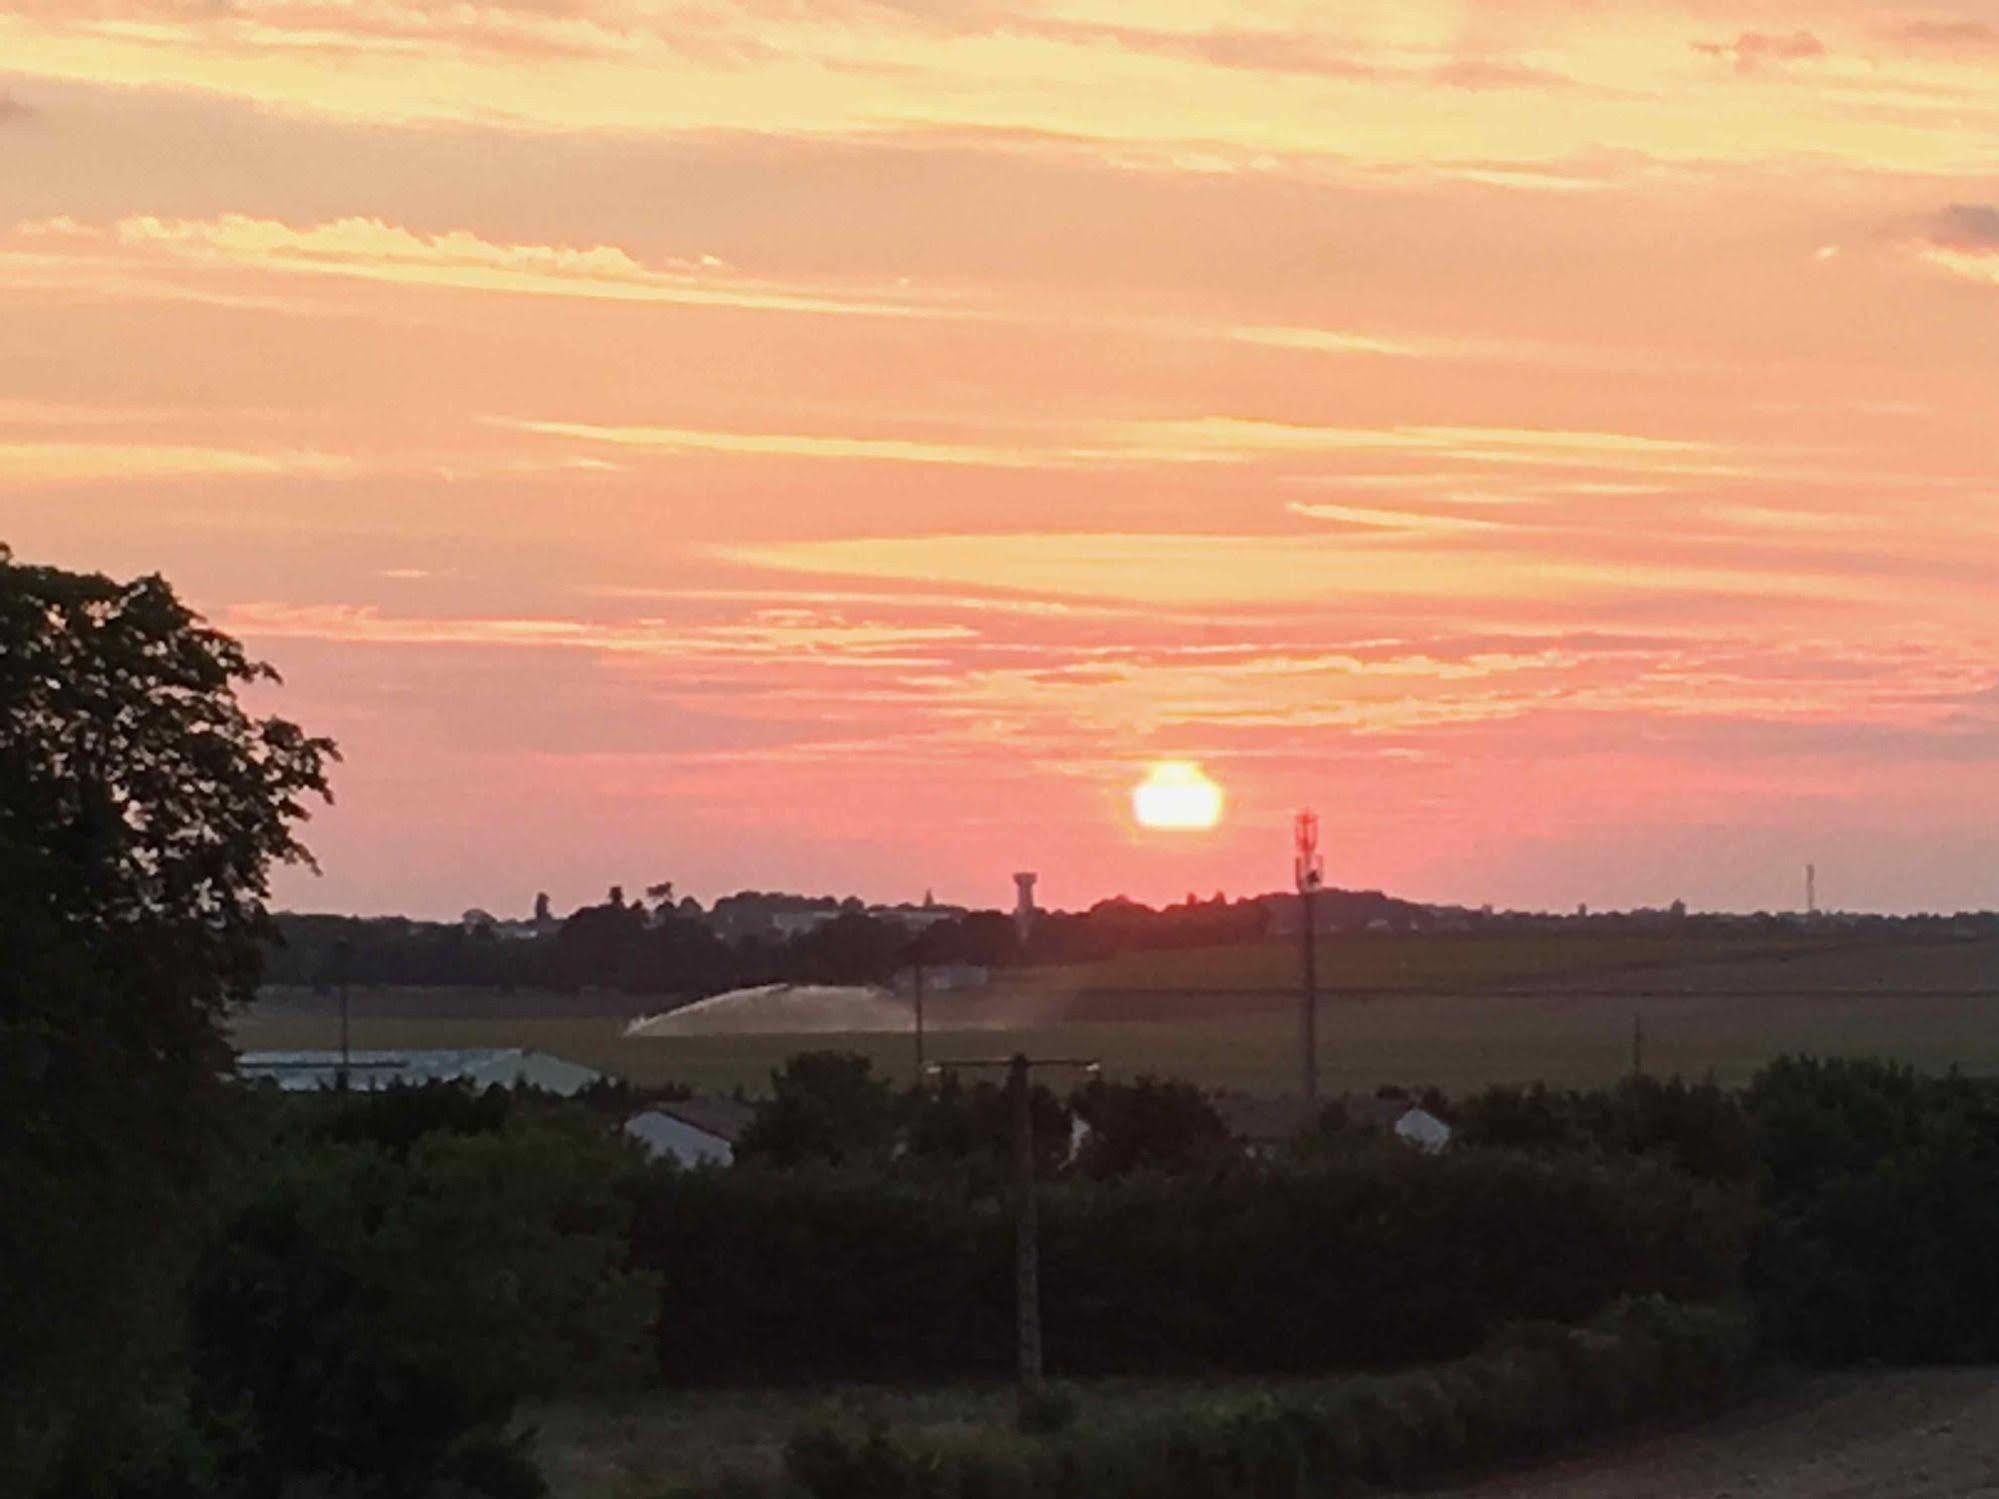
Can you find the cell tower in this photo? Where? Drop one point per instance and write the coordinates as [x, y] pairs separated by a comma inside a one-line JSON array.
[[1309, 868], [1310, 872]]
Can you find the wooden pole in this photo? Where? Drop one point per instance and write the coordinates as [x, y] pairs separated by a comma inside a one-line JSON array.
[[343, 954], [919, 1023], [1027, 1252], [1026, 1247]]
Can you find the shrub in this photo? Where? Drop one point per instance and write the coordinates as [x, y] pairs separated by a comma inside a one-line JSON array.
[[1528, 1389], [1701, 1128], [373, 1319], [825, 1106], [1376, 1259], [1880, 1204], [1152, 1124], [1053, 1408]]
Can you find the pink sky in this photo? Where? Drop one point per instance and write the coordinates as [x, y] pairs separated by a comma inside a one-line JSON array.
[[837, 445]]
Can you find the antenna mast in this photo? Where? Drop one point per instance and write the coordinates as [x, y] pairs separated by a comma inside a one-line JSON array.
[[1310, 872]]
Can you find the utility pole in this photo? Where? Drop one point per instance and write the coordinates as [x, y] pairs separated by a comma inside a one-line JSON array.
[[1638, 1045], [1030, 1379], [1310, 872], [1026, 1238], [343, 953], [919, 1017]]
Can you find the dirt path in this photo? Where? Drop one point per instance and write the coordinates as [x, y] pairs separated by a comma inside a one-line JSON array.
[[1921, 1434]]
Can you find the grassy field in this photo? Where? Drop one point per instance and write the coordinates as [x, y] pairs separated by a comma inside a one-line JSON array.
[[1457, 1011], [1383, 962], [1457, 1042]]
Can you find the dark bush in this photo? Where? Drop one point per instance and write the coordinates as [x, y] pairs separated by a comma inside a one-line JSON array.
[[825, 1107], [1152, 1124], [397, 1117], [1375, 1259], [968, 1130], [1528, 1390], [1880, 1206], [1702, 1128], [372, 1319]]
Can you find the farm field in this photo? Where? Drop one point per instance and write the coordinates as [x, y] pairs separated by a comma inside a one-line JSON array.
[[1374, 962], [1457, 1011], [1456, 1042]]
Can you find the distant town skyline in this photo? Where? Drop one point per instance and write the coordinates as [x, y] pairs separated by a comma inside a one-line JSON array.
[[519, 918], [841, 446]]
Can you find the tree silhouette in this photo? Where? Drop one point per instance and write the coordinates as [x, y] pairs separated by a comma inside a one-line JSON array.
[[141, 811]]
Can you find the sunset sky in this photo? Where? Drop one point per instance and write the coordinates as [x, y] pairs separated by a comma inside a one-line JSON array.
[[837, 444]]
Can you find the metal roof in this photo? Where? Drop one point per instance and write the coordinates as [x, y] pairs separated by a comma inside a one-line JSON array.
[[723, 1118], [506, 1067]]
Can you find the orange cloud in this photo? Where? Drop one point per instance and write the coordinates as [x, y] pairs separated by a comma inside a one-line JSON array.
[[1759, 49], [373, 250], [1193, 570], [26, 463]]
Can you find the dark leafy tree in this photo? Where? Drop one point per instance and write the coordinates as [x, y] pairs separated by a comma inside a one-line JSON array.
[[1880, 1195], [825, 1106], [142, 808], [1152, 1124], [852, 948], [1701, 1128], [970, 1129], [987, 939], [370, 1318], [597, 944], [1520, 1118]]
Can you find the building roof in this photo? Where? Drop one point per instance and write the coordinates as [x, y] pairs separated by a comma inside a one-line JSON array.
[[724, 1118], [369, 1071], [1264, 1121]]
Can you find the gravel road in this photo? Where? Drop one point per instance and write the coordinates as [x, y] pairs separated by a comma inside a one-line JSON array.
[[1918, 1434]]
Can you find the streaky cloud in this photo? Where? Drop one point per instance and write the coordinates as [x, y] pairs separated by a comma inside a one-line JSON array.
[[372, 249]]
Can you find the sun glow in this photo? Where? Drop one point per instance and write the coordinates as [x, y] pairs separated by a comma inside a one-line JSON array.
[[1177, 794]]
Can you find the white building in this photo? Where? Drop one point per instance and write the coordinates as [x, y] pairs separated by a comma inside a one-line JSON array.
[[693, 1131], [793, 924], [370, 1071]]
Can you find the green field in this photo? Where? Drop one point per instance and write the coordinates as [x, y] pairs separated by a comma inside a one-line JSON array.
[[1720, 1009], [1384, 962]]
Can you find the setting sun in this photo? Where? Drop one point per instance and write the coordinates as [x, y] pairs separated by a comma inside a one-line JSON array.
[[1177, 794]]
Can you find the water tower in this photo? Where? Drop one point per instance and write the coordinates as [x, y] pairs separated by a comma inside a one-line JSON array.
[[1024, 910]]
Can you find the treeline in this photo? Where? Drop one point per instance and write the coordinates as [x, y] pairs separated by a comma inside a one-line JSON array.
[[628, 947]]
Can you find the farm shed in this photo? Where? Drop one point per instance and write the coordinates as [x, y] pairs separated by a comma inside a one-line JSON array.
[[368, 1071], [694, 1131]]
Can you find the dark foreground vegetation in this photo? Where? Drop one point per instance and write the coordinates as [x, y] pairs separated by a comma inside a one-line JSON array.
[[1526, 1392], [382, 1281], [217, 1293]]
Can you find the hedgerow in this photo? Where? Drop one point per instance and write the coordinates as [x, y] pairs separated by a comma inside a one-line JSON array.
[[1373, 1260], [1530, 1388]]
